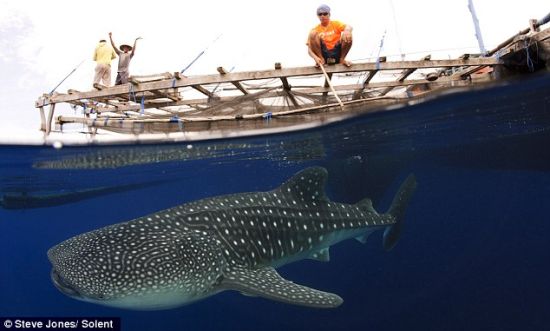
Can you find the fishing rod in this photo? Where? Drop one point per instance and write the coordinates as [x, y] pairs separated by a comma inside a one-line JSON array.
[[70, 73], [201, 53]]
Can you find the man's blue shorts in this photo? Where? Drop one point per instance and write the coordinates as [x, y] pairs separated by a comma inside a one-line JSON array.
[[332, 54]]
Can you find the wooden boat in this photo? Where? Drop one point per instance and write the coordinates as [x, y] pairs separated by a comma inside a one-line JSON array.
[[284, 99]]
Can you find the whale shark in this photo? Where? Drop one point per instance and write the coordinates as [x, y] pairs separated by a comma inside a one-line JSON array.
[[234, 242]]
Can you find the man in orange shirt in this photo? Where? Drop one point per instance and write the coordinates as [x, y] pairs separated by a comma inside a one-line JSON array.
[[330, 41]]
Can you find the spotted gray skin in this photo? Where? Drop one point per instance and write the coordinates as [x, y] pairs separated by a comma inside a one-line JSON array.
[[232, 242]]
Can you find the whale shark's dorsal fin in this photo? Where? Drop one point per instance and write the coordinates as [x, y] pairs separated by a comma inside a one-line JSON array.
[[267, 283], [366, 206], [307, 185]]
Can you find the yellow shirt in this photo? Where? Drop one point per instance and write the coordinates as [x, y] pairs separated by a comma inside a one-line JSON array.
[[104, 53]]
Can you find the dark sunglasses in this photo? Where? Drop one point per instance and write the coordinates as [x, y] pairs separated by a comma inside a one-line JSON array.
[[322, 14]]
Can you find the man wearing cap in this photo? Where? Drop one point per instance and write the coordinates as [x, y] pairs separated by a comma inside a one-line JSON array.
[[125, 54], [103, 55], [330, 41]]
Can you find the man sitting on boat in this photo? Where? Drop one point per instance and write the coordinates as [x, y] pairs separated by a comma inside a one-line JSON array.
[[330, 41]]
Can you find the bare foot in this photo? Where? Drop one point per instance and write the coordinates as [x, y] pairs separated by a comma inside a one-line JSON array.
[[346, 63]]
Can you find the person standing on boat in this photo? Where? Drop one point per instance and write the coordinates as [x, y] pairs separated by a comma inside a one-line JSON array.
[[125, 54], [103, 55], [330, 41]]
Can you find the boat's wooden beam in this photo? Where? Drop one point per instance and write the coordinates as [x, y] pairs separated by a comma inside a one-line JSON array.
[[203, 90], [368, 78], [308, 92], [292, 98], [237, 84], [235, 78], [149, 78], [505, 46], [522, 42], [287, 87], [371, 73], [467, 72], [105, 123], [284, 80], [166, 95], [406, 73]]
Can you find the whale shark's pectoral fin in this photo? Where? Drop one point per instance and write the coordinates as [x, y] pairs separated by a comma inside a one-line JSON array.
[[267, 283]]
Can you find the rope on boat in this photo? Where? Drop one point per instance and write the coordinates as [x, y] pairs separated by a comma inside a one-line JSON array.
[[176, 119], [131, 93], [529, 60], [498, 54], [267, 116]]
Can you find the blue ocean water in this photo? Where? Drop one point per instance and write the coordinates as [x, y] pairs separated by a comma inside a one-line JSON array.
[[473, 254]]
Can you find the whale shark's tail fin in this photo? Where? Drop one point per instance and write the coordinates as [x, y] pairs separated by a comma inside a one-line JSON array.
[[397, 210]]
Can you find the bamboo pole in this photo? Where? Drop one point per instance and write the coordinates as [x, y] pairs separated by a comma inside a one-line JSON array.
[[331, 87]]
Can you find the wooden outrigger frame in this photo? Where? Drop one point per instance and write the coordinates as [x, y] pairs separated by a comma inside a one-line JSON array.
[[158, 99]]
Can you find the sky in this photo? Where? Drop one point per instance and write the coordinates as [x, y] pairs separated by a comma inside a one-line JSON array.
[[41, 42]]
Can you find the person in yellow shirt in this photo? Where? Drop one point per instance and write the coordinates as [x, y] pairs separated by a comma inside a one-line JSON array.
[[102, 56], [330, 41]]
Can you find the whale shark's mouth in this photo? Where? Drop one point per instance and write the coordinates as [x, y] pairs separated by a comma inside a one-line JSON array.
[[62, 285]]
